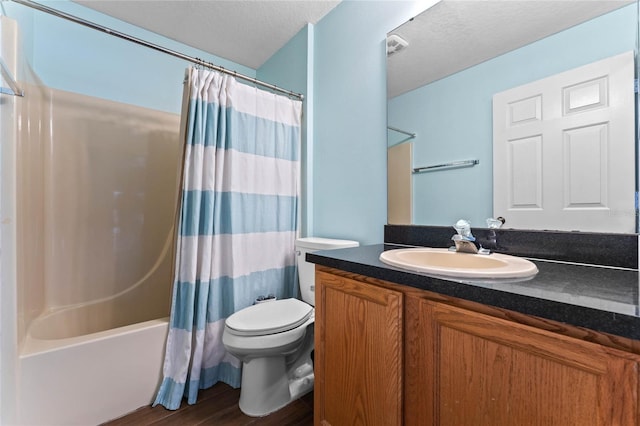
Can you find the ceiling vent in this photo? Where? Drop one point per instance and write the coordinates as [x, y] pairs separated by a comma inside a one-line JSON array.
[[395, 44]]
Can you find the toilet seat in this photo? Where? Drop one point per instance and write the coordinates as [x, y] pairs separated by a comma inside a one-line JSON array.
[[269, 318]]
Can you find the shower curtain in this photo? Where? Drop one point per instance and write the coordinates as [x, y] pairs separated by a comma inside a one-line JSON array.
[[237, 225]]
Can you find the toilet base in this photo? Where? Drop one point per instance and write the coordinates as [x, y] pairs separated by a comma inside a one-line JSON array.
[[269, 383], [266, 386]]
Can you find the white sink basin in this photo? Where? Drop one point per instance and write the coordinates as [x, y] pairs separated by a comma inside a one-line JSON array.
[[443, 262]]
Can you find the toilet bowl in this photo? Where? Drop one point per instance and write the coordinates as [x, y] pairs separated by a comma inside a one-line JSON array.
[[274, 340]]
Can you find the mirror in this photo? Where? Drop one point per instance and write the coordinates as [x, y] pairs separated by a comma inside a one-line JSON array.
[[459, 54]]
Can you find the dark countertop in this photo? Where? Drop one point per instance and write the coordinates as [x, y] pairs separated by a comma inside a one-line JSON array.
[[599, 298]]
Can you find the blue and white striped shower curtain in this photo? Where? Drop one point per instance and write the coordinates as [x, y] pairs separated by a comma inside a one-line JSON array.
[[238, 224]]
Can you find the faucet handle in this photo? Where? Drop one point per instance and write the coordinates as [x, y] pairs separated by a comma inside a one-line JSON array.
[[463, 228], [495, 223]]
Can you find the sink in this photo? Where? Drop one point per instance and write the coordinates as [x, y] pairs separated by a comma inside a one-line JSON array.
[[445, 263]]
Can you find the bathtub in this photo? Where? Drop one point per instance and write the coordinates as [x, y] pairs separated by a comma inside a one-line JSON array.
[[93, 362], [90, 379]]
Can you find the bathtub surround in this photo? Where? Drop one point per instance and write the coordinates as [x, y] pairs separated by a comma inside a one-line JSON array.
[[93, 255], [238, 224]]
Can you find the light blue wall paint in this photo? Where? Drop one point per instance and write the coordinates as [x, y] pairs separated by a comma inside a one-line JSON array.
[[287, 68], [350, 119], [75, 58], [290, 68], [453, 116], [309, 132]]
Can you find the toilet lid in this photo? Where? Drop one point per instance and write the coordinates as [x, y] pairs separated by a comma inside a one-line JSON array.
[[269, 317]]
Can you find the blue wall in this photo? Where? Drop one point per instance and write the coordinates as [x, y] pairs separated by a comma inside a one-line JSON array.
[[453, 116], [292, 68], [349, 170], [71, 57]]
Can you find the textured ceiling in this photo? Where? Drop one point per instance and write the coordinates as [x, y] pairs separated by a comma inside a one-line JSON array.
[[245, 32], [450, 36], [456, 34]]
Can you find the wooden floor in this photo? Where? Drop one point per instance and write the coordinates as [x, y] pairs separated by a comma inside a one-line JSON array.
[[218, 406]]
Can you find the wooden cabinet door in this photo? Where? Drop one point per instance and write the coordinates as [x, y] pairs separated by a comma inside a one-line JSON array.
[[358, 353], [475, 369]]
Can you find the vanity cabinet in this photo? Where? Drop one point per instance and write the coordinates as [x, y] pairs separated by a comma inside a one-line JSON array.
[[391, 354], [467, 368], [358, 353]]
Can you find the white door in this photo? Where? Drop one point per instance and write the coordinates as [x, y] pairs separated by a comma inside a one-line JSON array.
[[564, 151]]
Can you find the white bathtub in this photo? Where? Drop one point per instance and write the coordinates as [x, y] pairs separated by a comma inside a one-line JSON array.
[[87, 380], [93, 362]]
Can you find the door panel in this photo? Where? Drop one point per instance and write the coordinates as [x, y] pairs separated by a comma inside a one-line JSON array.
[[564, 150]]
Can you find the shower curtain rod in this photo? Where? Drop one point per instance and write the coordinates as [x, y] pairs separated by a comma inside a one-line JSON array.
[[141, 42]]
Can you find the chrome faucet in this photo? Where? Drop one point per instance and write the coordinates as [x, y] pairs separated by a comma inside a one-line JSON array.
[[464, 244], [464, 239]]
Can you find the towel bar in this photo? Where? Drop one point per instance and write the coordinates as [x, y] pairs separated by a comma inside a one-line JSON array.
[[454, 164]]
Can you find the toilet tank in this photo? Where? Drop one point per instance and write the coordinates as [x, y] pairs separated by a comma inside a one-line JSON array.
[[306, 270]]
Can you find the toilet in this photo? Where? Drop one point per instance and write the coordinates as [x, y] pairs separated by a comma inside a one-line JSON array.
[[274, 340]]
